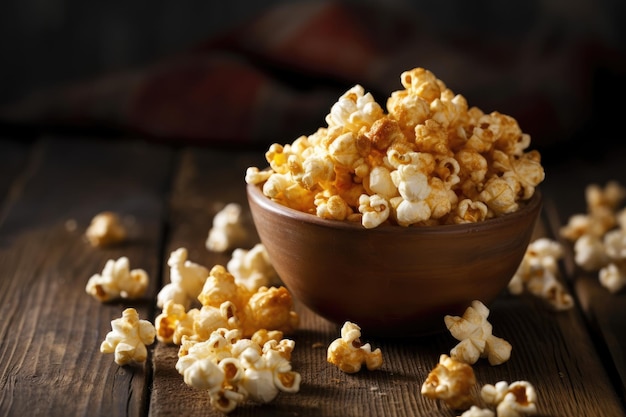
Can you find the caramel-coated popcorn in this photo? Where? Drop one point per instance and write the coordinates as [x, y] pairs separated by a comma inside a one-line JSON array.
[[349, 354], [431, 159], [106, 229], [227, 304], [450, 381]]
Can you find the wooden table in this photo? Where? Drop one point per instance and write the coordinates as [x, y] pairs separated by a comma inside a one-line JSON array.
[[51, 329]]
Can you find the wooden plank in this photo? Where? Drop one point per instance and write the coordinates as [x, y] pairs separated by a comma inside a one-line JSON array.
[[551, 350], [604, 312], [52, 329]]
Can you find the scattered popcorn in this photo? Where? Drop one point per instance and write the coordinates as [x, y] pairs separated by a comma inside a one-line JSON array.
[[226, 304], [253, 268], [349, 354], [515, 400], [450, 381], [105, 229], [232, 369], [117, 281], [128, 338], [476, 338], [186, 280], [599, 236], [228, 230], [410, 166], [538, 273], [475, 411]]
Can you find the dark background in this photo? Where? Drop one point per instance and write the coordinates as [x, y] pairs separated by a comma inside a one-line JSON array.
[[574, 49]]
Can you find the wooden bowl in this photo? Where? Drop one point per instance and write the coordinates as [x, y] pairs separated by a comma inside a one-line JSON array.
[[391, 280]]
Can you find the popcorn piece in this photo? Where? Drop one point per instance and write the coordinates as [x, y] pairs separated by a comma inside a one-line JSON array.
[[168, 322], [349, 354], [117, 281], [186, 280], [232, 369], [475, 411], [590, 253], [476, 340], [228, 230], [613, 276], [128, 338], [411, 166], [375, 210], [105, 229], [270, 308], [450, 381], [253, 268], [538, 273], [515, 400]]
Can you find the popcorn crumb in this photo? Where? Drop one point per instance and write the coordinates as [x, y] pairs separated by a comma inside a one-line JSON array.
[[450, 381], [349, 354], [105, 229], [117, 280], [476, 338], [227, 230], [128, 338]]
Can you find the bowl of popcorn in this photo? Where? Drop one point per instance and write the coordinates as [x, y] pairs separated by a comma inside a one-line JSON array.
[[393, 219]]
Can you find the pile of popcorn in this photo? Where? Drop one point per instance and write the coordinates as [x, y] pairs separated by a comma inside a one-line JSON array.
[[599, 235], [430, 159]]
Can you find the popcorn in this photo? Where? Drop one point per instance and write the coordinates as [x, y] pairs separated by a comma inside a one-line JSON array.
[[227, 230], [229, 305], [105, 229], [232, 369], [173, 322], [411, 166], [613, 276], [450, 381], [186, 280], [117, 281], [538, 273], [599, 236], [515, 400], [476, 340], [349, 354], [475, 411], [128, 338], [252, 268]]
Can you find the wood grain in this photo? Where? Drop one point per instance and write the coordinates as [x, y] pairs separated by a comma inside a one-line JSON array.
[[50, 364], [51, 328]]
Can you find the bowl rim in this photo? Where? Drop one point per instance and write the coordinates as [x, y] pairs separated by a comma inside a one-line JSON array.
[[255, 194]]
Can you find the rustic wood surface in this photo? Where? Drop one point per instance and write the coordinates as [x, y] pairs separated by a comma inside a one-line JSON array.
[[51, 330]]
